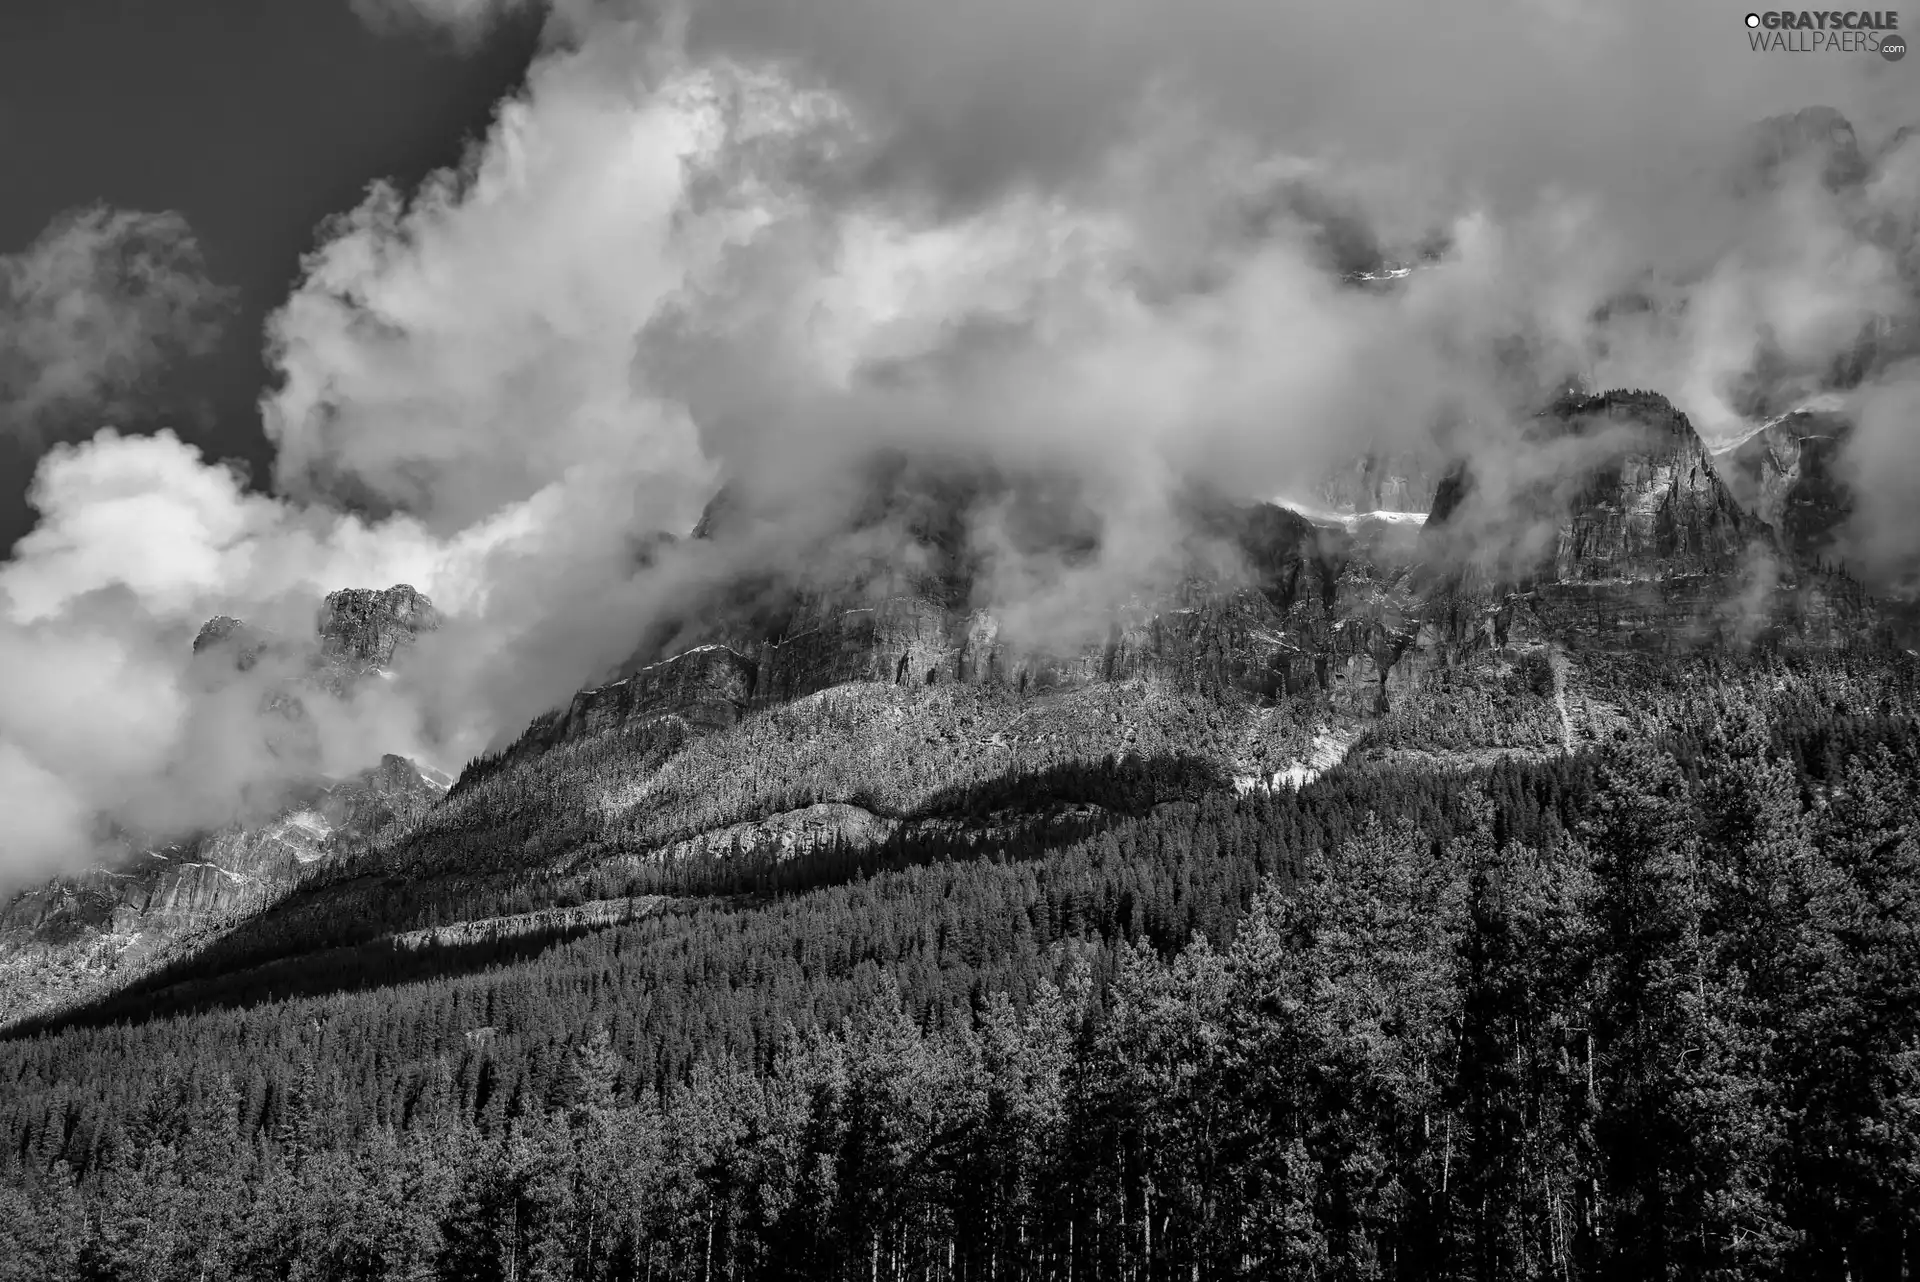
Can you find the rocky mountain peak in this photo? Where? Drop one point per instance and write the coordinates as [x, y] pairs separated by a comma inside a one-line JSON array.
[[1652, 502], [363, 626], [1624, 489]]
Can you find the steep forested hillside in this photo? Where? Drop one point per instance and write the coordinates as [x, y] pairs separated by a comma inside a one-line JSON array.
[[1641, 1010], [1341, 915]]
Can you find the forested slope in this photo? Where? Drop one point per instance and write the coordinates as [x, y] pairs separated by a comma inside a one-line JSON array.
[[1641, 1010], [1333, 919]]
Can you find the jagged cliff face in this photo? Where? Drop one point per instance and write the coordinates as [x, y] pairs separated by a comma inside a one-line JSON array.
[[363, 633], [1639, 544], [65, 940], [1648, 549], [1271, 605], [364, 630], [1652, 506]]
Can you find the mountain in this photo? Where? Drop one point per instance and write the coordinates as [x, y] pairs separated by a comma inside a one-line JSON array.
[[1860, 192], [86, 933], [859, 927], [362, 630], [878, 697], [1639, 545]]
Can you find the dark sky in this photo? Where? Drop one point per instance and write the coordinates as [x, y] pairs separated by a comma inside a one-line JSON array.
[[254, 120]]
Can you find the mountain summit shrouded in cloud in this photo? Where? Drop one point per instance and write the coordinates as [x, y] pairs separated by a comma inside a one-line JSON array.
[[1097, 248]]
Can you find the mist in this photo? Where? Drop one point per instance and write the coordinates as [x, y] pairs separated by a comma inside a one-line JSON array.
[[1093, 251], [93, 311]]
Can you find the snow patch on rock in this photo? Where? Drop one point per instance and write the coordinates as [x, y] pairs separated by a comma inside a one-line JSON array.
[[1347, 520], [1328, 750]]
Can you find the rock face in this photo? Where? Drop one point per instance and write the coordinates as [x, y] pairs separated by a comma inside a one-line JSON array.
[[1647, 549], [709, 685], [358, 633], [65, 940], [227, 638], [363, 628], [1294, 608], [1652, 507], [1632, 540]]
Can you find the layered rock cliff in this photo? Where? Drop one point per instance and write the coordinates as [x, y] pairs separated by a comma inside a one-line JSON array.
[[65, 940], [361, 629], [1269, 604], [1624, 536], [1643, 546]]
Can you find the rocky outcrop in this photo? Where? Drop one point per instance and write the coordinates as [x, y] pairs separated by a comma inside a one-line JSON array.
[[1651, 506], [1627, 539], [67, 939], [357, 633], [364, 629], [227, 640], [1644, 547]]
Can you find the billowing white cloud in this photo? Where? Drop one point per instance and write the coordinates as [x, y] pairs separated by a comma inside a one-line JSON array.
[[458, 350], [1095, 247], [140, 542]]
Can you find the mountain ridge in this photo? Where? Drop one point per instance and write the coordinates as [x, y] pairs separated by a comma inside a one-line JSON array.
[[878, 696]]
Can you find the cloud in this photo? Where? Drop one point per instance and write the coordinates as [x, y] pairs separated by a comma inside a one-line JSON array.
[[467, 21], [1503, 96], [1881, 465], [767, 244], [140, 541], [458, 350], [1076, 257], [93, 311]]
